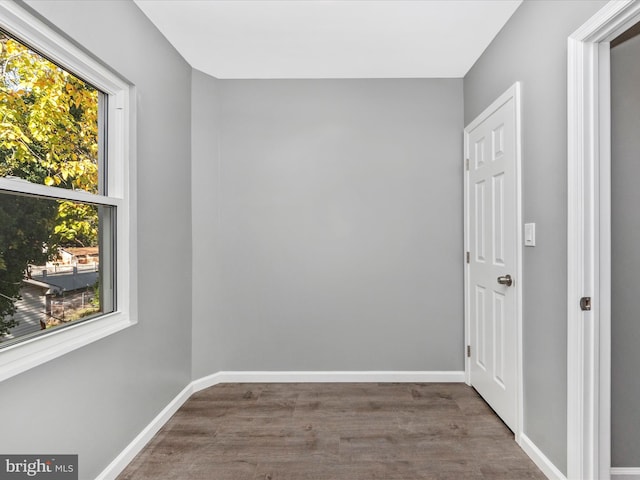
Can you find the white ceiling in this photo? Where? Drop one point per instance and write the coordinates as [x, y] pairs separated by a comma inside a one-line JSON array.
[[330, 38]]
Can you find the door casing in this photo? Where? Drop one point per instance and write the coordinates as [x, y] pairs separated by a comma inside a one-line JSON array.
[[512, 92], [589, 240]]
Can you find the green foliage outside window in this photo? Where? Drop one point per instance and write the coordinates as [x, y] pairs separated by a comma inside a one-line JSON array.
[[48, 135]]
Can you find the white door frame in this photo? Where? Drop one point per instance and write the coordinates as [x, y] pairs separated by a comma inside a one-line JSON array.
[[512, 92], [589, 241]]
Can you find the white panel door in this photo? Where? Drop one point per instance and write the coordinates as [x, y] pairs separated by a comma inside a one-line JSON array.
[[492, 234]]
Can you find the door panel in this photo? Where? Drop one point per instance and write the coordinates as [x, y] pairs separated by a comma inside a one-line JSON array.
[[480, 312], [492, 229], [480, 221]]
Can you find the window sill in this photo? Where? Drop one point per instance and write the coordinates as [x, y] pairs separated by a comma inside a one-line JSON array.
[[21, 357]]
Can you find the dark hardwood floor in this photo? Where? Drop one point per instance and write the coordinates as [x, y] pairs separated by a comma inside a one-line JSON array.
[[337, 431]]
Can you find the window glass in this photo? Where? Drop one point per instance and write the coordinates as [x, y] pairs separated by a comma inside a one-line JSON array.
[[48, 121], [54, 264], [56, 254]]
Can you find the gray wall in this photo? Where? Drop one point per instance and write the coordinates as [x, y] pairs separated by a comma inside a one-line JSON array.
[[208, 305], [625, 275], [340, 226], [532, 48], [327, 231], [95, 400]]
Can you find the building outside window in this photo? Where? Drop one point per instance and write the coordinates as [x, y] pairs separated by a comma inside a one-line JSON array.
[[49, 135]]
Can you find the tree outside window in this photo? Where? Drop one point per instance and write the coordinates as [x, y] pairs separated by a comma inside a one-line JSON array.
[[49, 124]]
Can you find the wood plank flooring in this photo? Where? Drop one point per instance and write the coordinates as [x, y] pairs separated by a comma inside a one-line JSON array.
[[343, 431]]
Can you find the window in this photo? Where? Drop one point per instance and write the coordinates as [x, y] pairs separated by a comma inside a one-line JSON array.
[[67, 258]]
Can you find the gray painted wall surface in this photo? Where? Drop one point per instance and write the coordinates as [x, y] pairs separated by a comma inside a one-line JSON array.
[[332, 213], [340, 226], [532, 48], [208, 305], [95, 400], [625, 275]]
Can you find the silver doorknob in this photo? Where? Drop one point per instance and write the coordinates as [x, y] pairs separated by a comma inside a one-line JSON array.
[[505, 280]]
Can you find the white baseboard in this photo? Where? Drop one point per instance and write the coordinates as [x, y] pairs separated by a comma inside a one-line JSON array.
[[137, 444], [328, 377], [540, 459], [625, 473], [208, 381]]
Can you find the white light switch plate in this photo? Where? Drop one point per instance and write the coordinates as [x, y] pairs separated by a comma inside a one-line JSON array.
[[529, 234]]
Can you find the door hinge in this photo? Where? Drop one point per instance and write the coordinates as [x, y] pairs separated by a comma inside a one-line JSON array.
[[468, 257], [585, 304], [468, 350], [466, 164]]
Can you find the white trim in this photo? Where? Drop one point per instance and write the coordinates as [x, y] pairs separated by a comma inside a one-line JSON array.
[[625, 473], [121, 149], [20, 357], [540, 459], [329, 377], [514, 92], [137, 444], [22, 186], [602, 269], [208, 381], [519, 269], [37, 34], [467, 250], [588, 333]]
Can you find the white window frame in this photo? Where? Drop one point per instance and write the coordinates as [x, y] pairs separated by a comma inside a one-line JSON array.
[[120, 158]]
